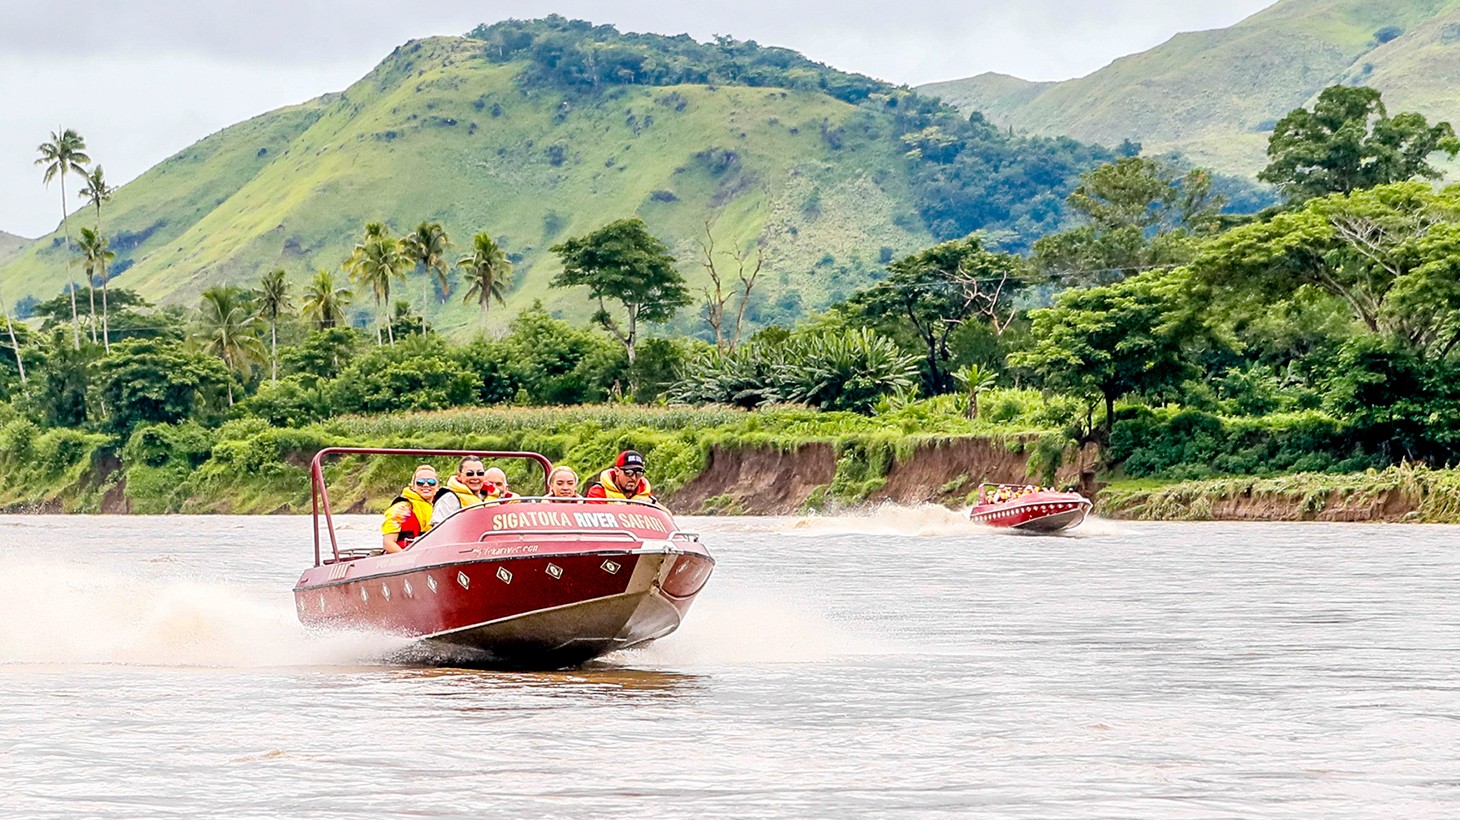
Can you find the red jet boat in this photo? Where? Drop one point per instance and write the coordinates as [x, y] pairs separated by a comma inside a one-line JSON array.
[[538, 583], [1030, 510]]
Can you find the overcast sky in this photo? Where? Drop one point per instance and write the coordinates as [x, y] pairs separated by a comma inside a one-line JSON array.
[[143, 79]]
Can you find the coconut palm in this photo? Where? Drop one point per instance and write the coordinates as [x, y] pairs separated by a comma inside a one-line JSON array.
[[229, 329], [95, 256], [65, 152], [488, 273], [96, 191], [426, 247], [273, 300], [374, 263], [324, 304], [975, 380]]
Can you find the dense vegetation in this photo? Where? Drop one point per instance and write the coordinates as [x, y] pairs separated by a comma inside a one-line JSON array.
[[1319, 337]]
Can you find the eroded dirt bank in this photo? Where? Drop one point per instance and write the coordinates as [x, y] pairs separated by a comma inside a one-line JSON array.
[[770, 481], [1388, 505]]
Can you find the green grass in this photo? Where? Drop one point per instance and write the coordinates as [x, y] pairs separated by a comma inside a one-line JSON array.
[[1205, 94], [417, 139]]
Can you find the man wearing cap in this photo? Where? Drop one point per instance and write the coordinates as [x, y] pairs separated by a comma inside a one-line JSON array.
[[624, 481]]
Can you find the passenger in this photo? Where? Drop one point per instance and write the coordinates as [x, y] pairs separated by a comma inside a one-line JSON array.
[[464, 489], [624, 481], [562, 482], [409, 515], [496, 486]]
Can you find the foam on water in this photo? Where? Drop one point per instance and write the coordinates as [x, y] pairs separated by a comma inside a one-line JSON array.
[[918, 521], [745, 628], [55, 612]]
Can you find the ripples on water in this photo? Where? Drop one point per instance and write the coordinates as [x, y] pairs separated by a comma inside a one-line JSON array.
[[900, 661]]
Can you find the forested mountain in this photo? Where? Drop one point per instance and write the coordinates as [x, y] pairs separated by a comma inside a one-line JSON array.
[[1214, 96], [535, 131], [11, 245]]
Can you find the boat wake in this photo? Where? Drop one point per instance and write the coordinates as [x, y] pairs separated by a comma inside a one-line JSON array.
[[61, 613], [922, 520]]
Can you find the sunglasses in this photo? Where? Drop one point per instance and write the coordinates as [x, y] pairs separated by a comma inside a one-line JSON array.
[[631, 471], [425, 482], [470, 473]]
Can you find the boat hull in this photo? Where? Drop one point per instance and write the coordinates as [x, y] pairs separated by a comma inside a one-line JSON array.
[[1037, 512], [539, 599]]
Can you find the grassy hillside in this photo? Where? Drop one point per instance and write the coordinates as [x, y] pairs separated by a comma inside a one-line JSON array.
[[1215, 95], [10, 246], [807, 162]]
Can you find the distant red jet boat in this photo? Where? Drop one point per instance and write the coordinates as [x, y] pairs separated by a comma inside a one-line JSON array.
[[1036, 510], [527, 583]]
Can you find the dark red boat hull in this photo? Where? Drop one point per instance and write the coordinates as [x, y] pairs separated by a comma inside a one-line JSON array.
[[1036, 512], [522, 585]]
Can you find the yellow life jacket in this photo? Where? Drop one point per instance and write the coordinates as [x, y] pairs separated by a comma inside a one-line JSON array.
[[463, 492], [414, 525], [612, 492]]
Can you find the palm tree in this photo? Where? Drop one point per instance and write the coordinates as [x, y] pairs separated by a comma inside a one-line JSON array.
[[65, 152], [975, 380], [488, 273], [95, 192], [375, 262], [273, 301], [95, 256], [228, 328], [426, 246], [324, 304]]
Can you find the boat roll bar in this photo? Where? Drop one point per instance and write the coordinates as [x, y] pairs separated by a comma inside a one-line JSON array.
[[319, 497]]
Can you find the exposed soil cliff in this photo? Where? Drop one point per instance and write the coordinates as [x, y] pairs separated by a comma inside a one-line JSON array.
[[768, 481]]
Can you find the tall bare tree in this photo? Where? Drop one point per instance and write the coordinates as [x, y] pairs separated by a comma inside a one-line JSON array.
[[718, 297]]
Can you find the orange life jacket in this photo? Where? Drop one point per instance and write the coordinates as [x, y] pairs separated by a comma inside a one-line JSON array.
[[613, 493]]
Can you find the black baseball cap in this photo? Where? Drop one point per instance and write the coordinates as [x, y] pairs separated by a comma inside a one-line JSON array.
[[629, 458]]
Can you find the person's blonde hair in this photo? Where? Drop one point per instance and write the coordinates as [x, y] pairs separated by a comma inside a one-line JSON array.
[[561, 468]]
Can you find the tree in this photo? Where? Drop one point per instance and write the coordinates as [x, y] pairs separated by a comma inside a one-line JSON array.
[[324, 304], [622, 261], [975, 380], [1139, 213], [157, 381], [488, 273], [375, 262], [14, 343], [716, 295], [96, 192], [273, 301], [1348, 142], [1111, 341], [1390, 253], [938, 290], [61, 383], [426, 247], [95, 256], [228, 329], [66, 152]]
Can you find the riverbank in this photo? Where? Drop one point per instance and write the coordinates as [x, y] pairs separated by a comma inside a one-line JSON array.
[[705, 460], [702, 461], [1403, 494]]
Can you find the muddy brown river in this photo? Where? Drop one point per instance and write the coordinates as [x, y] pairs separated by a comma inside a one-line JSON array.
[[897, 663]]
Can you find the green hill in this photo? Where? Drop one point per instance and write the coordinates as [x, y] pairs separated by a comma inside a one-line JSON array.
[[11, 246], [536, 131], [1215, 95]]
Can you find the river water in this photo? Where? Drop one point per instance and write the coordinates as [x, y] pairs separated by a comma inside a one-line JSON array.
[[897, 663]]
